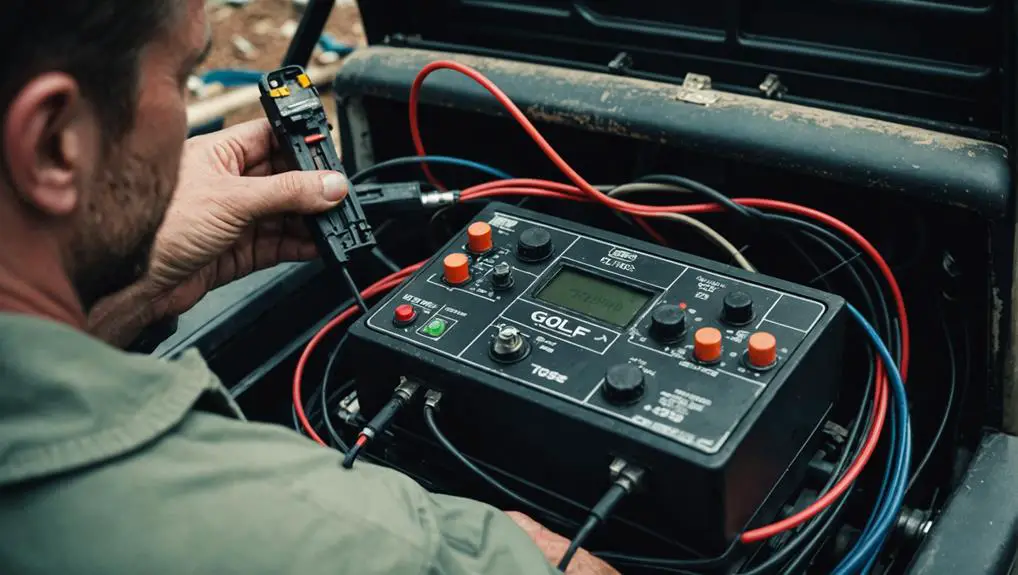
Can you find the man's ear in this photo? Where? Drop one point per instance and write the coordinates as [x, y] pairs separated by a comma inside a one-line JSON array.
[[50, 143]]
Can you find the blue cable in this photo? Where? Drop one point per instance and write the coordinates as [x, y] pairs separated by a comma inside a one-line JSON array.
[[409, 160], [884, 488], [869, 544], [330, 44], [866, 549], [230, 77]]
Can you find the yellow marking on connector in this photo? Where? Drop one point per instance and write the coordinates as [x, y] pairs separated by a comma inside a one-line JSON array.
[[274, 93], [304, 81], [284, 91]]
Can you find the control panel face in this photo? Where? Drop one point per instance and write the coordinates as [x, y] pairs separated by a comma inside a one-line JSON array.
[[675, 349]]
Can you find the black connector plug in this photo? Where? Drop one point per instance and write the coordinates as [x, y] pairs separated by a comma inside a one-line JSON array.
[[626, 478], [402, 396], [294, 107], [385, 199]]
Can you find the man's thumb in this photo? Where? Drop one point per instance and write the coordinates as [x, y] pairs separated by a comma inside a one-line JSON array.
[[301, 192]]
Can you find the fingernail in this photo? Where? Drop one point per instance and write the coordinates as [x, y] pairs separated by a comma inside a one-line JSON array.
[[335, 187]]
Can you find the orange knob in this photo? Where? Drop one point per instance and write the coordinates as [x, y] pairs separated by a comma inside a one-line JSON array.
[[763, 350], [707, 344], [479, 237], [457, 269]]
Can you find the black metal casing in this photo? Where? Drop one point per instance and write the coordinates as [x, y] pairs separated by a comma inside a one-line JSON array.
[[717, 438]]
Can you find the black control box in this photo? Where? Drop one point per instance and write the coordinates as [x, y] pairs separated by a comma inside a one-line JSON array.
[[559, 347]]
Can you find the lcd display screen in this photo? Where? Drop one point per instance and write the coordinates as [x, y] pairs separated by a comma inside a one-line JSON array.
[[590, 295]]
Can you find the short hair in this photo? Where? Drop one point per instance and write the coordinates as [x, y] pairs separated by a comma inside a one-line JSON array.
[[97, 42]]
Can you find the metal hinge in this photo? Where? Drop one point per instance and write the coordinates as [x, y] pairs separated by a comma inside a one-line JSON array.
[[696, 82], [621, 63], [696, 90], [771, 87]]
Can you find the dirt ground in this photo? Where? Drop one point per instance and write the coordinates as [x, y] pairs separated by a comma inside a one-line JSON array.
[[261, 22]]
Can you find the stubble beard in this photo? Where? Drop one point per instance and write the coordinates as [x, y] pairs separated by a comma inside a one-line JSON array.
[[113, 242]]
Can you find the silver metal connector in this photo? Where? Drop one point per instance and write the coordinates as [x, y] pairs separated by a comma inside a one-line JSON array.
[[406, 388], [625, 474], [437, 199], [432, 398]]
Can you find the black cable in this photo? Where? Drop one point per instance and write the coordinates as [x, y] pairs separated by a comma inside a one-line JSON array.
[[309, 408], [326, 415], [709, 563], [417, 161], [316, 14], [337, 439], [429, 418], [386, 260], [702, 189], [622, 486], [356, 291], [883, 313], [401, 396], [581, 537], [955, 434], [948, 408]]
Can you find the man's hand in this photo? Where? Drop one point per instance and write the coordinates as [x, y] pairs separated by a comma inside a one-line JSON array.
[[554, 547], [232, 214]]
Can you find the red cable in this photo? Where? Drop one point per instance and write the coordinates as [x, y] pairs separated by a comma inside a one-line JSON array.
[[564, 191], [631, 208], [793, 521], [552, 189], [382, 285]]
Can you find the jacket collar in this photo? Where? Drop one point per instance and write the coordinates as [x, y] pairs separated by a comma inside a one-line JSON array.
[[68, 400]]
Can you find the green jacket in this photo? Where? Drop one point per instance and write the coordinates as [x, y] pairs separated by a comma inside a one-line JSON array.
[[117, 463]]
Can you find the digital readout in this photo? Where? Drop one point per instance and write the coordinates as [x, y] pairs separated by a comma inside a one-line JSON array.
[[608, 301]]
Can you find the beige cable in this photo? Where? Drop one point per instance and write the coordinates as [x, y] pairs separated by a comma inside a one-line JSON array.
[[707, 231]]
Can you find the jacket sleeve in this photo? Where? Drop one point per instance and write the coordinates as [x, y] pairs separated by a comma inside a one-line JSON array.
[[362, 521]]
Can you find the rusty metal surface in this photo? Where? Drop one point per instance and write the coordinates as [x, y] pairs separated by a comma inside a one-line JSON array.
[[917, 162]]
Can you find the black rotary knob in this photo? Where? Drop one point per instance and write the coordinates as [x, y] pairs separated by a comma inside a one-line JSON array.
[[737, 308], [667, 323], [534, 245], [502, 276], [623, 384]]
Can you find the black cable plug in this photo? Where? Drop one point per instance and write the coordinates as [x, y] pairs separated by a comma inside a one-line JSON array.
[[402, 396], [627, 478]]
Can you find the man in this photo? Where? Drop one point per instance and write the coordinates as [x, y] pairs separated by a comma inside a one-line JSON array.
[[118, 463]]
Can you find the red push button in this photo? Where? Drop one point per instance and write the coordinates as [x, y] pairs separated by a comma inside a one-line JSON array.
[[405, 314], [479, 237], [763, 350], [707, 344], [457, 269]]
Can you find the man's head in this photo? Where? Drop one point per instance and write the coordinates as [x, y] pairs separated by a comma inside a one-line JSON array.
[[93, 122]]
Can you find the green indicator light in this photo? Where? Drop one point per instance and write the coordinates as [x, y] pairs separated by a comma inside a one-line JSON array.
[[435, 327]]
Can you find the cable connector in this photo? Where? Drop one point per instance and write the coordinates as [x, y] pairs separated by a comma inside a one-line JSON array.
[[401, 197], [431, 399], [400, 397], [626, 477]]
